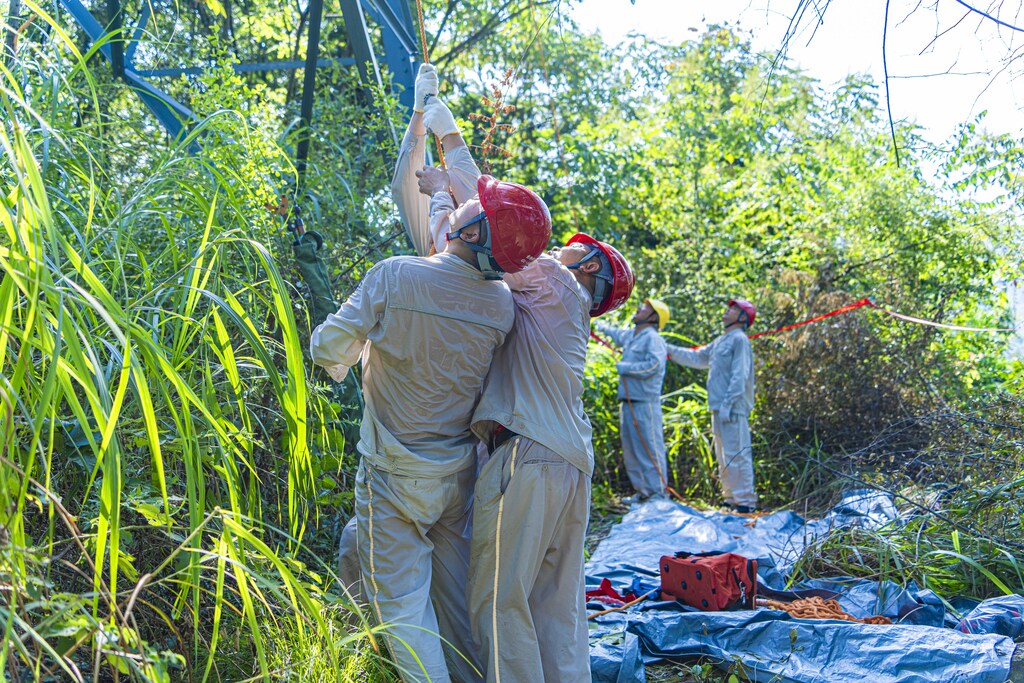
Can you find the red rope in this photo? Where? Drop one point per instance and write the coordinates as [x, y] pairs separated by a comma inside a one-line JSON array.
[[839, 311], [603, 342], [846, 309]]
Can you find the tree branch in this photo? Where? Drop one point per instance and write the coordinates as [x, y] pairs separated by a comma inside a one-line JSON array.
[[888, 98], [990, 17], [444, 22], [489, 28]]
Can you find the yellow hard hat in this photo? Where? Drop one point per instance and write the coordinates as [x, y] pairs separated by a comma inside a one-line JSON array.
[[661, 309]]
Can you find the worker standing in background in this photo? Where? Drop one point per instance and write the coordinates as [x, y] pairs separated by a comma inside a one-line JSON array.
[[641, 374], [425, 331], [730, 363]]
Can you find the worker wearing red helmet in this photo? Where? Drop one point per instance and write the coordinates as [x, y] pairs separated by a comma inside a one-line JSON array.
[[532, 501], [532, 504], [730, 361], [426, 330]]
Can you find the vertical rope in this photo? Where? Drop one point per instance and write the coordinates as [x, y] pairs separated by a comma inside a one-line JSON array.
[[554, 120], [423, 31], [426, 58]]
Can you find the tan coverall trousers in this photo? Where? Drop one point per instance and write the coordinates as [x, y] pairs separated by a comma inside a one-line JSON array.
[[735, 459], [413, 537], [643, 446], [526, 574]]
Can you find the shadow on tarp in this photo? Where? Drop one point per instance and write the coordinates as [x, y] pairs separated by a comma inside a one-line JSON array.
[[771, 645]]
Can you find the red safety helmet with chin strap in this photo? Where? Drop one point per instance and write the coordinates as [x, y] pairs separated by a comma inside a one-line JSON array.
[[747, 308], [518, 220], [620, 281]]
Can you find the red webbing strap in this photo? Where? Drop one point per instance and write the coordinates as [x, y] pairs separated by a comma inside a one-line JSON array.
[[839, 311], [603, 342]]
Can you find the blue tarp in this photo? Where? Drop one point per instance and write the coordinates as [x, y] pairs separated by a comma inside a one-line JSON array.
[[770, 645], [1002, 615]]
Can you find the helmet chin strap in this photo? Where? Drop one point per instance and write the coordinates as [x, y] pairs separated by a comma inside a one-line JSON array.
[[648, 321], [600, 292], [484, 259], [485, 262]]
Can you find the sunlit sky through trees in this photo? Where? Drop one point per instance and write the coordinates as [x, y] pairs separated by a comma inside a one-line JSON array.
[[945, 68]]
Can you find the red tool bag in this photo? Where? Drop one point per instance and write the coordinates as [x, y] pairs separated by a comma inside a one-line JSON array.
[[709, 581]]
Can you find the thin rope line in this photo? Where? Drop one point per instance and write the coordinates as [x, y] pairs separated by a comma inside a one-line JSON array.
[[426, 59], [554, 121], [929, 323]]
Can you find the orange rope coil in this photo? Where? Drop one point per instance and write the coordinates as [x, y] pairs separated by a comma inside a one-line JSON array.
[[819, 608]]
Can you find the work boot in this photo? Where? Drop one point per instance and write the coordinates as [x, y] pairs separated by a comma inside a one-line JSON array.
[[742, 509]]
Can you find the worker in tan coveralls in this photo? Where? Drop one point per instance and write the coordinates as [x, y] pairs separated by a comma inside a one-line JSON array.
[[641, 374], [425, 330], [532, 504], [414, 210], [730, 361], [526, 590]]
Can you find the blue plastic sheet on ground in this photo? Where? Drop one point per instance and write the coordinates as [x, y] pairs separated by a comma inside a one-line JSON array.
[[771, 645], [1003, 615], [774, 646]]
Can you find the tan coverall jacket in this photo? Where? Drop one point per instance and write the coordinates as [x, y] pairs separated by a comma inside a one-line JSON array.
[[425, 330]]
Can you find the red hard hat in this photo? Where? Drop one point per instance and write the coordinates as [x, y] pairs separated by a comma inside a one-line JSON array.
[[747, 307], [622, 275], [519, 221]]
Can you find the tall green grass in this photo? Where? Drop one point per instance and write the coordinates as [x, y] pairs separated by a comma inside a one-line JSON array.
[[160, 460]]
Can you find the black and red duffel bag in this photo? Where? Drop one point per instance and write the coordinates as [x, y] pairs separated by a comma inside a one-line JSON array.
[[709, 581]]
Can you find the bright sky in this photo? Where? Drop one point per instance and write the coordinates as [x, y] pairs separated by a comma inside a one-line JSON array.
[[848, 39]]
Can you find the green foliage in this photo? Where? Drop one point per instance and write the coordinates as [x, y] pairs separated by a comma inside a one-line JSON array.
[[157, 419], [170, 471]]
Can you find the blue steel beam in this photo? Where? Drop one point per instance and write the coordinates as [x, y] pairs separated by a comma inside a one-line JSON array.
[[173, 115], [400, 49], [388, 13], [397, 33], [129, 52]]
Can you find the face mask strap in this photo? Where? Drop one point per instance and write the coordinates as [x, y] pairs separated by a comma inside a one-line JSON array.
[[602, 279], [484, 259]]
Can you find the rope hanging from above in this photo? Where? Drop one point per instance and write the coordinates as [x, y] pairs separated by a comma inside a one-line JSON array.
[[426, 59], [554, 117]]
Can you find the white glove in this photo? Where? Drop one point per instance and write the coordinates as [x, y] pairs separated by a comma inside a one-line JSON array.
[[438, 119], [337, 372], [426, 86], [726, 415]]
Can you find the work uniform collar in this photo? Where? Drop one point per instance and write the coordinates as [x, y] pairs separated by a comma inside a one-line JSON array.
[[459, 263]]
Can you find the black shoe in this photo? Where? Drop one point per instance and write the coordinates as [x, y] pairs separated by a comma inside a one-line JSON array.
[[743, 509]]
